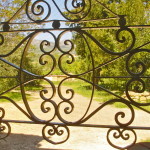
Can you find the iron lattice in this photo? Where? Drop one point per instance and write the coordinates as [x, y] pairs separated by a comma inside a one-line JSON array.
[[76, 21]]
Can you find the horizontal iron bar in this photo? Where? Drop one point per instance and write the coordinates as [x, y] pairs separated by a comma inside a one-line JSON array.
[[48, 21], [80, 125], [73, 29], [120, 77]]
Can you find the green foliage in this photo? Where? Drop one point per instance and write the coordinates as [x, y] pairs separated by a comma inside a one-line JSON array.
[[11, 40], [136, 12]]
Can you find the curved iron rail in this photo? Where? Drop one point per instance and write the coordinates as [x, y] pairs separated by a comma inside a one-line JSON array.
[[83, 8]]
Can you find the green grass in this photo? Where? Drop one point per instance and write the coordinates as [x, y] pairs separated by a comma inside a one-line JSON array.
[[146, 140], [79, 87], [16, 96], [84, 89], [33, 88], [121, 105]]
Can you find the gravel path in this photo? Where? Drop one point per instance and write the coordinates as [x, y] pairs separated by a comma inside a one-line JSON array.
[[29, 137]]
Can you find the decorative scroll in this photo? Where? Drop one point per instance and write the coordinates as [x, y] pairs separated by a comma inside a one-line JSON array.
[[2, 39], [76, 11], [124, 134], [49, 131], [5, 128], [37, 10], [140, 84]]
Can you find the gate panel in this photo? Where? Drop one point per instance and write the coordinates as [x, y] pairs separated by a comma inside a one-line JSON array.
[[56, 43]]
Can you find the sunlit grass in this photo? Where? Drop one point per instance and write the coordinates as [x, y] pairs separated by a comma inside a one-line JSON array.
[[85, 90], [146, 140], [16, 96], [79, 87]]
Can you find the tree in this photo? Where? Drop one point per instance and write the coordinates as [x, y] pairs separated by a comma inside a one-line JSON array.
[[11, 41], [136, 12]]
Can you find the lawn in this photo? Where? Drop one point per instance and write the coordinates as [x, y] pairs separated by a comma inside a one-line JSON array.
[[101, 96], [80, 87], [16, 96]]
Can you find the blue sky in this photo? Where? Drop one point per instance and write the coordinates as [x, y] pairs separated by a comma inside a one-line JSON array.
[[55, 15]]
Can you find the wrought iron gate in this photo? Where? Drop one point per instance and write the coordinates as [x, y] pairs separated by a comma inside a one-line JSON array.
[[39, 12]]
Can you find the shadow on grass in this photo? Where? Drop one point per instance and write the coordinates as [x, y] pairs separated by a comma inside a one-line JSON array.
[[25, 142]]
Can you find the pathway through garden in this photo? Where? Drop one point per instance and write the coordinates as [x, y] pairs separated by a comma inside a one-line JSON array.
[[29, 136]]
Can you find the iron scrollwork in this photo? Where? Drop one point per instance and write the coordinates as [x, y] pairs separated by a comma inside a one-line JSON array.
[[39, 12], [5, 128], [55, 130], [124, 134]]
